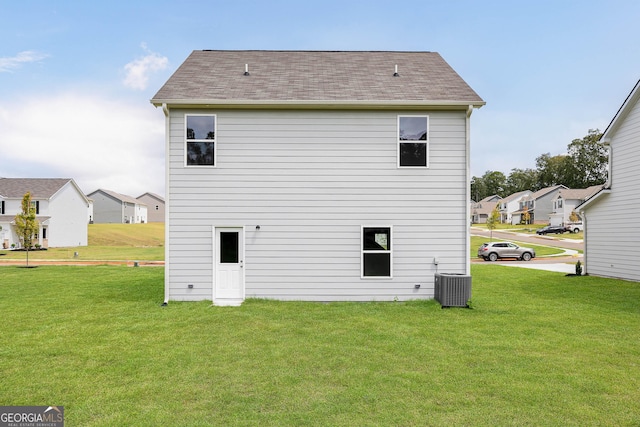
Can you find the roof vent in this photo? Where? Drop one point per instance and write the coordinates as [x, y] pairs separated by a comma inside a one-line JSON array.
[[395, 73], [246, 70]]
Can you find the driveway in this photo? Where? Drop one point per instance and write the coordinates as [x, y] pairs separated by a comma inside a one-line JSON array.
[[563, 263]]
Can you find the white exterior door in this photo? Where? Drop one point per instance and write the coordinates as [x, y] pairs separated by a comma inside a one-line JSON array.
[[229, 273]]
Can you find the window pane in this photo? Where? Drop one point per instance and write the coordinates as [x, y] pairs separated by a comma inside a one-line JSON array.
[[413, 154], [200, 153], [229, 247], [200, 127], [376, 239], [413, 128], [377, 265]]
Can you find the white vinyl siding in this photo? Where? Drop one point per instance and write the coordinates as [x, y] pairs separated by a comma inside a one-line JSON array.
[[310, 179], [610, 248]]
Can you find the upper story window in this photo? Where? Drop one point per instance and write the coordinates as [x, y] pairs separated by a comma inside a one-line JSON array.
[[35, 204], [413, 141], [200, 136]]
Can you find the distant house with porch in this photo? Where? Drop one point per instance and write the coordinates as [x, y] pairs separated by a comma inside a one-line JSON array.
[[510, 204], [481, 210], [566, 201], [61, 211], [537, 205]]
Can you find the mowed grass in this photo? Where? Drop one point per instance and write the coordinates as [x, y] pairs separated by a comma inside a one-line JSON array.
[[108, 242], [538, 348], [541, 251]]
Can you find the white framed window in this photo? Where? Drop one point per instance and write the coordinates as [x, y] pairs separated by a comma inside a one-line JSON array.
[[413, 141], [200, 139], [377, 256]]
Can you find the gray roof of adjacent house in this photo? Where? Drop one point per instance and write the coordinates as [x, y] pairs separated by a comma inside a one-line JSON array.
[[544, 191], [40, 188], [153, 195], [580, 193], [514, 196], [332, 78], [118, 196]]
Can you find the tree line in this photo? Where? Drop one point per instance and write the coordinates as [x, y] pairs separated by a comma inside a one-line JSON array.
[[584, 165]]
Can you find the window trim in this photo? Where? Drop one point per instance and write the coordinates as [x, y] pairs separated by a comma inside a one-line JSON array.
[[214, 140], [426, 142], [389, 251]]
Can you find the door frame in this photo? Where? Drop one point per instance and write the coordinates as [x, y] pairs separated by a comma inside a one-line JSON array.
[[241, 256]]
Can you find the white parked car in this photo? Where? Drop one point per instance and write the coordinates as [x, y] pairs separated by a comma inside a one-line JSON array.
[[573, 227]]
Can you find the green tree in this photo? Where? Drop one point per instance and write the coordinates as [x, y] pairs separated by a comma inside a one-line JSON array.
[[492, 221], [589, 161], [26, 224], [521, 180], [478, 189], [554, 170]]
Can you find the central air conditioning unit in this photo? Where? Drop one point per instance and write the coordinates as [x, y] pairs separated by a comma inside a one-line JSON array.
[[452, 290]]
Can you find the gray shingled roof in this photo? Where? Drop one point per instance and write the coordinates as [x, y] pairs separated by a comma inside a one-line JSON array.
[[40, 188], [117, 196], [153, 195], [316, 77], [580, 193]]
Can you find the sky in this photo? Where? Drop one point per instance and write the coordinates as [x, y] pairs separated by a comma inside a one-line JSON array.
[[76, 77]]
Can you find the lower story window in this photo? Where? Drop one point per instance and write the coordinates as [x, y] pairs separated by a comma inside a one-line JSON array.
[[376, 252]]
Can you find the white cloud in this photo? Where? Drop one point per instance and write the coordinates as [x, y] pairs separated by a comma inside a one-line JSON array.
[[137, 71], [99, 142], [11, 63]]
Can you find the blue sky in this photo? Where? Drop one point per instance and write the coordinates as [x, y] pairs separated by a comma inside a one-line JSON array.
[[76, 78]]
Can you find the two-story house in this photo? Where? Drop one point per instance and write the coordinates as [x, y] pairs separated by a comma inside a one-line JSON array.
[[610, 234], [112, 207], [155, 206], [315, 175], [61, 211], [480, 211], [511, 204], [536, 207], [566, 201]]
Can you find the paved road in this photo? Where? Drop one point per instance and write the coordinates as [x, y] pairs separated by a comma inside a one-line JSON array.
[[563, 264], [555, 241]]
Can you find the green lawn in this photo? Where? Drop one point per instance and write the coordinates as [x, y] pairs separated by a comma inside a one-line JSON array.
[[107, 242], [538, 348], [541, 251]]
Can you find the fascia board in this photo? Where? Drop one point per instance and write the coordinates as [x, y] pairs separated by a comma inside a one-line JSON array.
[[314, 104], [622, 112], [587, 203]]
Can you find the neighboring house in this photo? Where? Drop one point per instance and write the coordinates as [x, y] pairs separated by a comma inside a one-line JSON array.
[[510, 204], [155, 206], [112, 207], [611, 234], [566, 201], [538, 205], [318, 176], [481, 210], [61, 210]]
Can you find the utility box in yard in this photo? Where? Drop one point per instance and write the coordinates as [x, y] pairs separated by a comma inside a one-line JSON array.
[[452, 290]]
